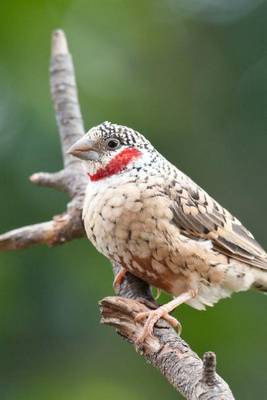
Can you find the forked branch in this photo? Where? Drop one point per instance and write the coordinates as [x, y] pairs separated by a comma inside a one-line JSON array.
[[166, 351]]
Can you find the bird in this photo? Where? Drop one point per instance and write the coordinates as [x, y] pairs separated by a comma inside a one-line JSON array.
[[144, 214]]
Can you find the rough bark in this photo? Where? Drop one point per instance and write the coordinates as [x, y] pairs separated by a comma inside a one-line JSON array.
[[192, 377]]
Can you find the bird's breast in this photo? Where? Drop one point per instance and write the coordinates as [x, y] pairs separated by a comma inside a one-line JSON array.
[[129, 218]]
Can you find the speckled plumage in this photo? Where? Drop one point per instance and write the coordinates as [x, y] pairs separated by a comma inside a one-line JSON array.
[[161, 226]]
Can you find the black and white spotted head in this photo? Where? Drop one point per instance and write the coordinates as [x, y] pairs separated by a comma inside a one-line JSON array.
[[109, 149]]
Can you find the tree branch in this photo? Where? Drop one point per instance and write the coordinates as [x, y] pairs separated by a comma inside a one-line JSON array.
[[71, 179], [166, 350]]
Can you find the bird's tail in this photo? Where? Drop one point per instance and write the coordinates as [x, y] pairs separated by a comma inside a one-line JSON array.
[[261, 281]]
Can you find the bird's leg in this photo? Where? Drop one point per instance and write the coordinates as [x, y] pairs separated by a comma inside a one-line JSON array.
[[162, 312], [119, 278]]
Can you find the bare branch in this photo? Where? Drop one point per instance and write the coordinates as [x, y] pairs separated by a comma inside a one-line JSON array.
[[27, 236], [61, 229], [53, 180], [64, 95], [166, 351], [209, 369], [71, 179], [59, 44]]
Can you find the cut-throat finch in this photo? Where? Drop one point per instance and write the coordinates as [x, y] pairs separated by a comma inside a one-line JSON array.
[[144, 214]]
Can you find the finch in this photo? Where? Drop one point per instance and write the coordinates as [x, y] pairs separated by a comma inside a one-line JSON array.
[[144, 214]]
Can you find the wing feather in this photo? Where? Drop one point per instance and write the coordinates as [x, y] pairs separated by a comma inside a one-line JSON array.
[[198, 215]]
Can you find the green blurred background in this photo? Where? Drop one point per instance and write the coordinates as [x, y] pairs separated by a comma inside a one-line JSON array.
[[192, 76]]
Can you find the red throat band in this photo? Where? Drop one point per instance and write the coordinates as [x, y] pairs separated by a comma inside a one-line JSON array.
[[117, 164]]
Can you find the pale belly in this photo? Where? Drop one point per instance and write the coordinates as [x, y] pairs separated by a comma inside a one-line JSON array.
[[131, 224]]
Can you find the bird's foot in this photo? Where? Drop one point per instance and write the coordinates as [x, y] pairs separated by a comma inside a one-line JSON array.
[[119, 278], [152, 317]]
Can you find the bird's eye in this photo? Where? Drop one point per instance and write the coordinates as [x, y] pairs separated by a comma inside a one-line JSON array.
[[113, 144]]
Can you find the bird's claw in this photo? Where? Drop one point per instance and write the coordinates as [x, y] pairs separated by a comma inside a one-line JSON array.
[[119, 278], [152, 317]]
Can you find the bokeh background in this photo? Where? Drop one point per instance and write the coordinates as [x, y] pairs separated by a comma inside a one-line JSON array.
[[192, 76]]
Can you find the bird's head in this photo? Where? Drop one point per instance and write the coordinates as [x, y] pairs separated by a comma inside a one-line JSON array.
[[110, 149]]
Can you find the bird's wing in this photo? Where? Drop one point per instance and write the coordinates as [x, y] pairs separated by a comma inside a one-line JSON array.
[[198, 215]]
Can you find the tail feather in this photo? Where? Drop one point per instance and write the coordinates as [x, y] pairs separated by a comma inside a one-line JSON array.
[[261, 288], [261, 281]]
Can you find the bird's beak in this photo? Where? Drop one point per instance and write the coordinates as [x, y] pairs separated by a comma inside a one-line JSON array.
[[84, 148]]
